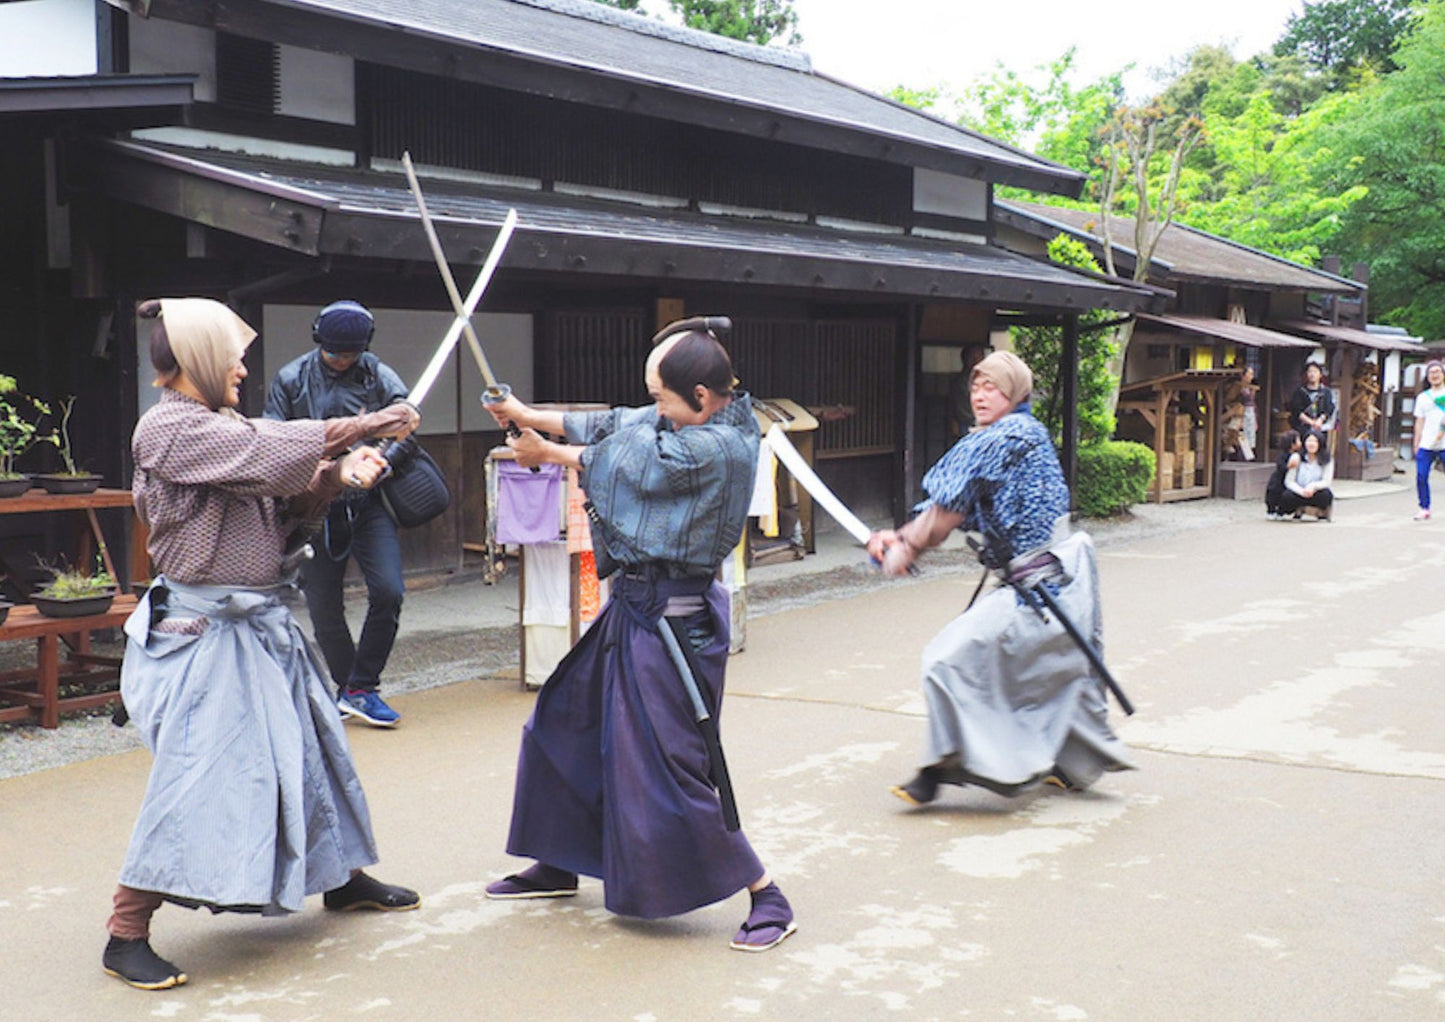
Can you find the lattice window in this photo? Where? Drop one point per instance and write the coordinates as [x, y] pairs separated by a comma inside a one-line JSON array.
[[248, 74]]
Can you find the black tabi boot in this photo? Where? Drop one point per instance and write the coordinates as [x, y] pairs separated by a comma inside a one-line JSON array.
[[362, 891], [134, 962]]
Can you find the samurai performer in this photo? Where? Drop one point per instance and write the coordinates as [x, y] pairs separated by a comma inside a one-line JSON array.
[[253, 801], [1012, 701], [613, 777]]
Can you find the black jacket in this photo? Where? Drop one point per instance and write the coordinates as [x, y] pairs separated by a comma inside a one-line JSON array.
[[1322, 404], [304, 389]]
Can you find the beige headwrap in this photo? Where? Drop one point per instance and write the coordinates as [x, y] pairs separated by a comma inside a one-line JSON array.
[[1009, 374], [206, 338]]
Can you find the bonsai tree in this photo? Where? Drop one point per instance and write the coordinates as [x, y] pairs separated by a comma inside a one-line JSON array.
[[61, 439], [71, 584], [20, 416]]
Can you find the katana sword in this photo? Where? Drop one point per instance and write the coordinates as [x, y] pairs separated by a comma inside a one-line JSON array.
[[462, 312], [464, 309], [777, 441], [495, 392]]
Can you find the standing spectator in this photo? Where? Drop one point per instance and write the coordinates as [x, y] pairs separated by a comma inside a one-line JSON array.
[[1249, 428], [341, 378], [1307, 484], [1429, 441], [1312, 405]]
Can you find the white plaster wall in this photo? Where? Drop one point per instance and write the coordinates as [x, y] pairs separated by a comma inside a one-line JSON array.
[[320, 86], [47, 38], [949, 195], [166, 47]]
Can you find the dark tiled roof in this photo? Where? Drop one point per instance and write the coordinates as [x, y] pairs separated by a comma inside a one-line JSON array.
[[593, 37], [1183, 253], [367, 213]]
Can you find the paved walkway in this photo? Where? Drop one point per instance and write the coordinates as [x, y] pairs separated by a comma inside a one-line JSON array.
[[1278, 855]]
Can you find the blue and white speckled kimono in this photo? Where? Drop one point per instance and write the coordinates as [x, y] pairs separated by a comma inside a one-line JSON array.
[[1008, 693]]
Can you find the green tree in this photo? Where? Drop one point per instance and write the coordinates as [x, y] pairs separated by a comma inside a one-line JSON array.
[[626, 5], [1393, 146], [753, 21], [1045, 111], [1347, 38], [1042, 349], [1269, 182]]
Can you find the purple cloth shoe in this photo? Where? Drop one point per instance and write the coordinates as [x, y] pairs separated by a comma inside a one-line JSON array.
[[768, 924], [536, 881]]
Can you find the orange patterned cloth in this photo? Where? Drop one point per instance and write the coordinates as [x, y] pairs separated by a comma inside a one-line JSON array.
[[579, 530], [589, 588]]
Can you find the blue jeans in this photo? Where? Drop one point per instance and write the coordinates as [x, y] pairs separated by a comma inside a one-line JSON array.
[[360, 529], [1424, 461]]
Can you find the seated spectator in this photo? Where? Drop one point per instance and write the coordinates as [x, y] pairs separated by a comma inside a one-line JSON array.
[[1274, 491], [1307, 485]]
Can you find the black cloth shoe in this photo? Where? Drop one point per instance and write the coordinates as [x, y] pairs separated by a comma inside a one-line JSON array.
[[134, 962], [362, 891], [923, 789]]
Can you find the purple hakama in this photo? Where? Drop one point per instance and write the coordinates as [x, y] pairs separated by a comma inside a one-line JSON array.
[[644, 818]]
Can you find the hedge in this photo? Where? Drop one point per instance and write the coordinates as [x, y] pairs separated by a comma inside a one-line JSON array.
[[1113, 475]]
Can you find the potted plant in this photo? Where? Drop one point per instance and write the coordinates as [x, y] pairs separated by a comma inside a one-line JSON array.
[[20, 416], [73, 479], [75, 593]]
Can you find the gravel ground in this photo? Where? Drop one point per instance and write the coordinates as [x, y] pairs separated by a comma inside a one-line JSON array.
[[425, 659]]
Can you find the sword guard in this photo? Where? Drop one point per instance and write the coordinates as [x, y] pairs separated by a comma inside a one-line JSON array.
[[495, 395]]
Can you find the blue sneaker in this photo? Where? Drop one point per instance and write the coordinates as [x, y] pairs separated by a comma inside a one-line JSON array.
[[369, 706]]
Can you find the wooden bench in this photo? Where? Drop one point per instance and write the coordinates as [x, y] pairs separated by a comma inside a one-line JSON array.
[[35, 691]]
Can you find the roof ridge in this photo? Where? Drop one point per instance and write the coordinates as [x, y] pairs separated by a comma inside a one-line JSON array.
[[590, 10]]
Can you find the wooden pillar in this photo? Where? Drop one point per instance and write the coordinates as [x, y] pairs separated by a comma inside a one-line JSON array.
[[1069, 391], [912, 353]]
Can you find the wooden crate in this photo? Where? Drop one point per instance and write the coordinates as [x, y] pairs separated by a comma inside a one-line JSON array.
[[1186, 468]]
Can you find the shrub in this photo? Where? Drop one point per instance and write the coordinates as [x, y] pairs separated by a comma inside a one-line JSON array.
[[1112, 475]]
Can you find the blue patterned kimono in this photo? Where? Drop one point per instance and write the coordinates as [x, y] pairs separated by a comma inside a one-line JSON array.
[[673, 497], [1010, 464], [1009, 694], [612, 778]]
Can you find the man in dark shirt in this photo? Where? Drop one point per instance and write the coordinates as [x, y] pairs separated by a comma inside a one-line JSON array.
[[342, 377]]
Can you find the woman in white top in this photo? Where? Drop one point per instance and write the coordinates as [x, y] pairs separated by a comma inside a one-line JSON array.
[[1307, 485], [1429, 432]]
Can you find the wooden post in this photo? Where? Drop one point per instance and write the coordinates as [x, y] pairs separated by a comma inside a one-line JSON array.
[[912, 357], [1069, 391]]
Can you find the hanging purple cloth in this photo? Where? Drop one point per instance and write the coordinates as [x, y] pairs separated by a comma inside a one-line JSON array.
[[644, 818], [529, 504]]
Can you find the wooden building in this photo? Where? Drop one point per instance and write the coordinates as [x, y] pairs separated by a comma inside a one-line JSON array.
[[249, 150], [1236, 306]]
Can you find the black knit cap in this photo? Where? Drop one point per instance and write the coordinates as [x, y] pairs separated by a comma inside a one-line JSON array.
[[344, 326]]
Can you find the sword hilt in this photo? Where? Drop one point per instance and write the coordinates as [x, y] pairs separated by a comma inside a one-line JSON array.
[[495, 394]]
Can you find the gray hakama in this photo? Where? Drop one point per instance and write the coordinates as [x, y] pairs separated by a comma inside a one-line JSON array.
[[1013, 697], [253, 801]]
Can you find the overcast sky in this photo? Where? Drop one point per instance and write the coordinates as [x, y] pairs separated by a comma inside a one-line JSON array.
[[922, 43]]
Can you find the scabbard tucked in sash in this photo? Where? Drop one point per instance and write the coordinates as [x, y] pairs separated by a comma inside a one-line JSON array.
[[684, 658]]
